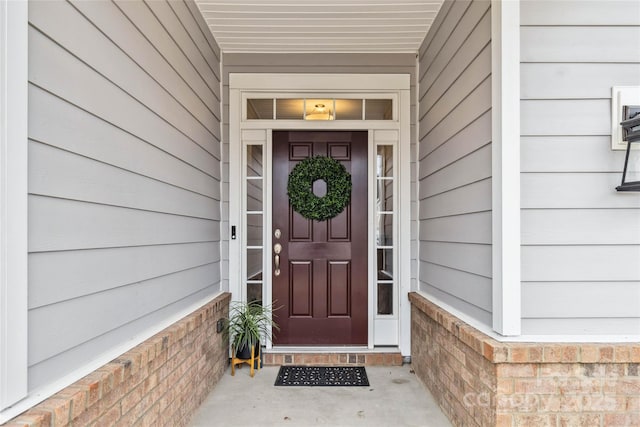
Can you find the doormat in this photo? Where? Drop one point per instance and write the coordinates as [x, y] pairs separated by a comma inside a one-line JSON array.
[[311, 376]]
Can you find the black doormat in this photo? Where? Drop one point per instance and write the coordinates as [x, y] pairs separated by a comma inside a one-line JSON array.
[[322, 376]]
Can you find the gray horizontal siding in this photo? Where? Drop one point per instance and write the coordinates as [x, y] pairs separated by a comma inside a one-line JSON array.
[[472, 227], [581, 227], [580, 12], [575, 190], [359, 63], [581, 239], [467, 199], [95, 138], [62, 275], [50, 69], [561, 117], [581, 263], [55, 172], [566, 81], [124, 175], [563, 304], [454, 173], [559, 154], [595, 44], [465, 24], [472, 137], [69, 224], [467, 257], [471, 168]]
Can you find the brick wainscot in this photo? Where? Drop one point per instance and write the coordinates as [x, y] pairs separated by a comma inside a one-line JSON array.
[[479, 381], [161, 381]]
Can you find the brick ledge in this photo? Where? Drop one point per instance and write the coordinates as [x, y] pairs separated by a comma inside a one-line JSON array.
[[500, 352], [85, 396]]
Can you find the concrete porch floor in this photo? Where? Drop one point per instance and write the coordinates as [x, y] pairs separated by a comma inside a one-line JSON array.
[[395, 397]]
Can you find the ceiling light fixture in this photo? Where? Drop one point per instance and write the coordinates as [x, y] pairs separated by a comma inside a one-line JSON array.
[[319, 112]]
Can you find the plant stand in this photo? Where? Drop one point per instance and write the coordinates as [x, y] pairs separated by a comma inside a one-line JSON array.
[[236, 361]]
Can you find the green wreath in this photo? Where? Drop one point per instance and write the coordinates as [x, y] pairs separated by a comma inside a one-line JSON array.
[[300, 188]]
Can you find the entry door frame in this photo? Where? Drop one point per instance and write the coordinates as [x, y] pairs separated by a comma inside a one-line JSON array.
[[391, 330]]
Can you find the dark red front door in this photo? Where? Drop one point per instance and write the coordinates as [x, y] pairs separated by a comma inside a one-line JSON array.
[[322, 285]]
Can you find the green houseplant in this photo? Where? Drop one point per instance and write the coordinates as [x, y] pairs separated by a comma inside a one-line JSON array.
[[248, 322]]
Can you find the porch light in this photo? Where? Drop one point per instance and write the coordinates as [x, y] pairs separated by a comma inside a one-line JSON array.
[[319, 112], [631, 129]]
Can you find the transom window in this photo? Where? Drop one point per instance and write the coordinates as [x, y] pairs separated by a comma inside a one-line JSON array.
[[318, 109]]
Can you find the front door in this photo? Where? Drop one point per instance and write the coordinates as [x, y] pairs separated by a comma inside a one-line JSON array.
[[322, 283]]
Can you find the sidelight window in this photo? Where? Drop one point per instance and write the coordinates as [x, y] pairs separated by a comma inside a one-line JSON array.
[[254, 208], [385, 229]]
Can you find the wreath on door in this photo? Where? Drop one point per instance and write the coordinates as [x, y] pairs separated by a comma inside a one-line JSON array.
[[300, 188]]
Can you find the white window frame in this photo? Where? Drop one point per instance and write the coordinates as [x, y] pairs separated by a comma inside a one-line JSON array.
[[386, 325], [394, 86], [13, 203]]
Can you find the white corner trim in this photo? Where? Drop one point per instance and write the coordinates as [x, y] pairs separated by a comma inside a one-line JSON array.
[[404, 222], [235, 190], [224, 278], [505, 129], [13, 201]]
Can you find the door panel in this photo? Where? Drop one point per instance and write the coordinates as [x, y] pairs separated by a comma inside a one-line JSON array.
[[301, 273], [322, 286], [339, 288]]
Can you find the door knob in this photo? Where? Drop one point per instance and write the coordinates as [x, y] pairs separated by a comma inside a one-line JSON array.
[[277, 248]]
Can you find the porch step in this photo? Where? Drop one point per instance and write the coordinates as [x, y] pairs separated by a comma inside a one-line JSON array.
[[279, 358]]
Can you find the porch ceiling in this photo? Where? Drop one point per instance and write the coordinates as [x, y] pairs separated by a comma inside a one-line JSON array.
[[320, 25]]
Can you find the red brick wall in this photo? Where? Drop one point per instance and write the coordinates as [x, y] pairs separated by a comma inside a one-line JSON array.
[[479, 381], [161, 381]]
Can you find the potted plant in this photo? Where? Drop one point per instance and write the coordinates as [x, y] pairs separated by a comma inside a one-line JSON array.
[[247, 324]]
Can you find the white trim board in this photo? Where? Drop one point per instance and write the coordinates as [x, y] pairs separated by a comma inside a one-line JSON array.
[[320, 82], [13, 202], [505, 169]]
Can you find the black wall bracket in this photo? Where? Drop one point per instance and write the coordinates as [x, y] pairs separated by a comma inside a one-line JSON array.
[[631, 129]]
